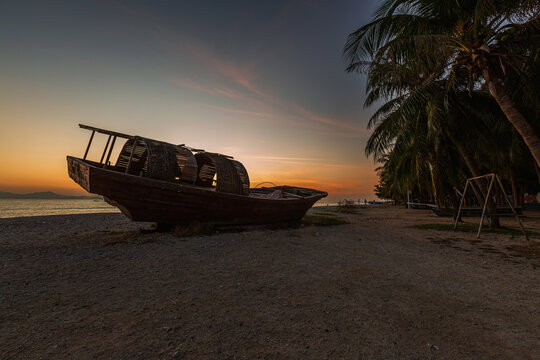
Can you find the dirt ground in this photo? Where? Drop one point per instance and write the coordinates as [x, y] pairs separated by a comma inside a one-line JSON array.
[[95, 287]]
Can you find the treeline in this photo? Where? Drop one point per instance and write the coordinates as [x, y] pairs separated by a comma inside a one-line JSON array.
[[457, 87]]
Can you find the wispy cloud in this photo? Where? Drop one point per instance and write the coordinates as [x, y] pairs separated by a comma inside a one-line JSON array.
[[212, 90], [318, 163], [192, 85], [238, 111], [242, 75], [239, 83], [334, 123], [274, 107]]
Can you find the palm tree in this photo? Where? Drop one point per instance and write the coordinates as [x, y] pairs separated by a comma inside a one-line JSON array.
[[415, 128], [469, 43]]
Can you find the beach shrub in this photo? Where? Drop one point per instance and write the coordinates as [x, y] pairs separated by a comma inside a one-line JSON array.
[[345, 203], [346, 206]]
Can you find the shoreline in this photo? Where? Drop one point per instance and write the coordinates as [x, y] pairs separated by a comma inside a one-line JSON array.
[[44, 217], [14, 208]]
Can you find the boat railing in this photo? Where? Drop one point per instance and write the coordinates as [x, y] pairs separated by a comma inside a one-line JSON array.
[[113, 135]]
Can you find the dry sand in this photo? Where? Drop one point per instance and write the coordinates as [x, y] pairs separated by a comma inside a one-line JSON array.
[[93, 286]]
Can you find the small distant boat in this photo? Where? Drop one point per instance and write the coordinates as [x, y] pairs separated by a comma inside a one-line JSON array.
[[420, 206], [160, 182]]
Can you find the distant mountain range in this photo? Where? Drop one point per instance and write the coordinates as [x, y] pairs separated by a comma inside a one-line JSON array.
[[43, 195]]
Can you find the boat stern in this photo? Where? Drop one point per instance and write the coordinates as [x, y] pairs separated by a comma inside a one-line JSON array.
[[79, 172]]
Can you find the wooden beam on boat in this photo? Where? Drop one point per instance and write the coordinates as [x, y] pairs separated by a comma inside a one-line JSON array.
[[129, 137], [227, 156], [193, 149], [105, 150], [89, 143], [135, 142], [108, 132], [110, 151]]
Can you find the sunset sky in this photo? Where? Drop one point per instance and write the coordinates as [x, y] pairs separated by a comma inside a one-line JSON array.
[[262, 81]]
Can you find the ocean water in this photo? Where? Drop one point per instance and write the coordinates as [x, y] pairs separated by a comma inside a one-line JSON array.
[[10, 208]]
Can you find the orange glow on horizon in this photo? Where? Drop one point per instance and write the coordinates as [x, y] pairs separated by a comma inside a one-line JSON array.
[[339, 180]]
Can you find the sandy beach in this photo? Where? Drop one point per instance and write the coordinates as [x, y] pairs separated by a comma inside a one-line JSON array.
[[93, 286]]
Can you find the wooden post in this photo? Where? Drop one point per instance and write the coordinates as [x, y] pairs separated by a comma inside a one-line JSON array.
[[135, 142], [513, 210], [485, 204], [105, 150], [110, 151], [89, 142], [461, 203]]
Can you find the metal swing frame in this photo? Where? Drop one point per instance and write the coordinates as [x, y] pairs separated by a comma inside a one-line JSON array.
[[493, 180]]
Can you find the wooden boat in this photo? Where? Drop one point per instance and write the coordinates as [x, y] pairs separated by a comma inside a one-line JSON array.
[[159, 182]]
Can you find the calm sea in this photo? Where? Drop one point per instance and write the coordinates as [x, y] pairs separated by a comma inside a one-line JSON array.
[[29, 207]]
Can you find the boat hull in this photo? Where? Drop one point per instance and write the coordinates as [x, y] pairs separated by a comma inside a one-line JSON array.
[[145, 199]]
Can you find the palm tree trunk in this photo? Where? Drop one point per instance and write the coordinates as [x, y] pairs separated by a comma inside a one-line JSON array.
[[537, 172], [439, 198], [515, 117], [465, 154], [514, 190], [433, 186]]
